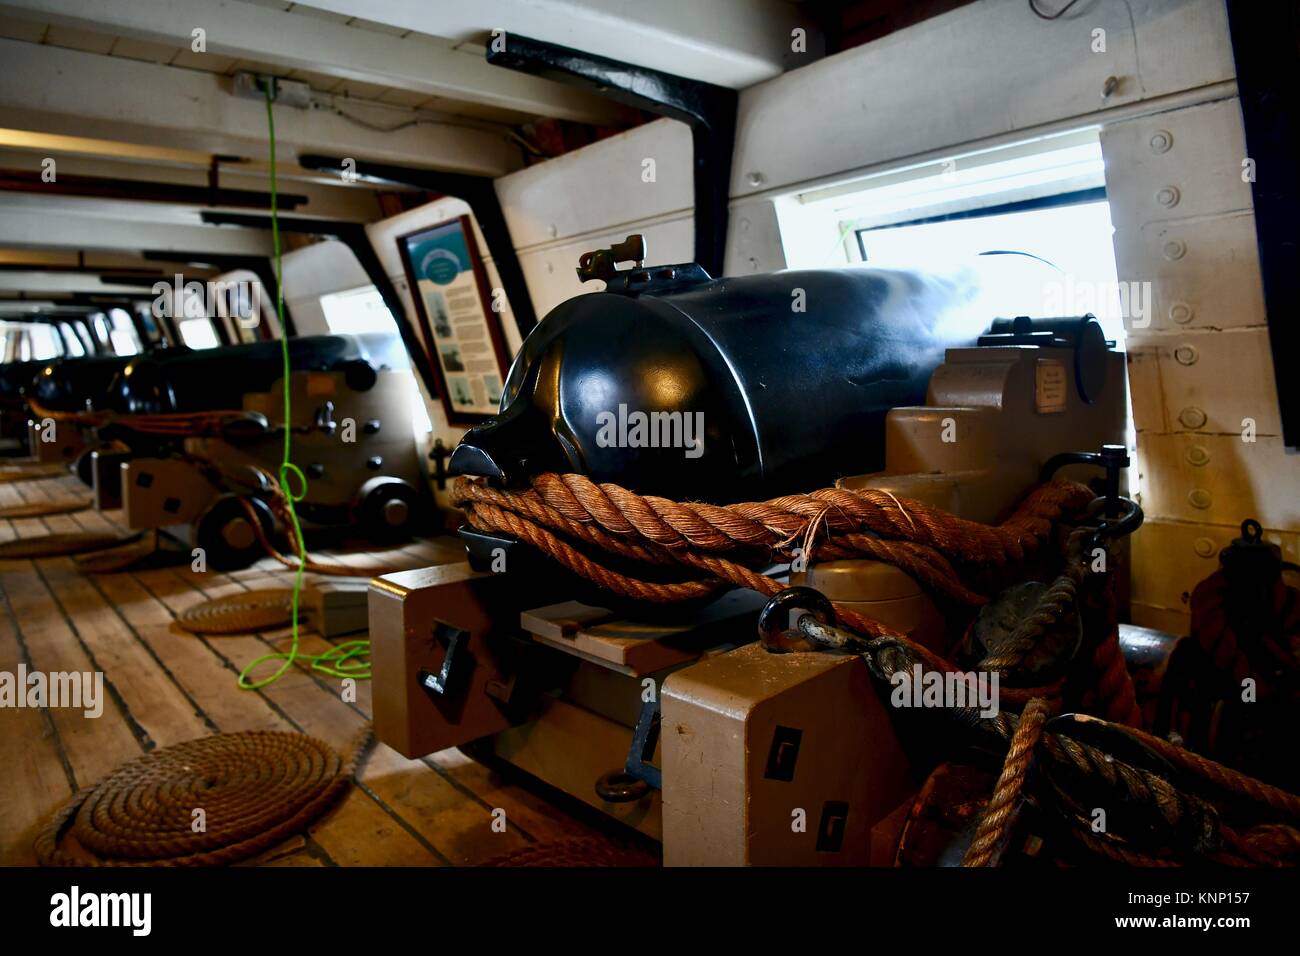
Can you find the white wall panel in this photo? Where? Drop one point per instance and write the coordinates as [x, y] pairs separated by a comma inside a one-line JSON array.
[[1207, 381], [601, 187], [1219, 479], [984, 70], [551, 270], [1183, 163]]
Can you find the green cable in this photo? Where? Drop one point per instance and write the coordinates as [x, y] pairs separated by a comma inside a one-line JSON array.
[[342, 660]]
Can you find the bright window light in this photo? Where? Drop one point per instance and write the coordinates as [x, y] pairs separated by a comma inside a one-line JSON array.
[[74, 345], [43, 343], [1028, 221], [1072, 241], [362, 311], [198, 333], [123, 335], [357, 311]]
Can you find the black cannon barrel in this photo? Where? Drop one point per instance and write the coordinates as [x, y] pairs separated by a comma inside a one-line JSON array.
[[185, 380], [74, 385], [16, 377], [724, 389]]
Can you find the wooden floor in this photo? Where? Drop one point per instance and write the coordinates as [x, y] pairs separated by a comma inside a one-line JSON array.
[[164, 685]]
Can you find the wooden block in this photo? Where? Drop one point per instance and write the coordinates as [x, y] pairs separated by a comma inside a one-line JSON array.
[[640, 648], [562, 620]]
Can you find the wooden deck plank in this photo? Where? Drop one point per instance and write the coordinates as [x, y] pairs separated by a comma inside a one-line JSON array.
[[149, 694], [34, 781], [94, 746], [169, 685]]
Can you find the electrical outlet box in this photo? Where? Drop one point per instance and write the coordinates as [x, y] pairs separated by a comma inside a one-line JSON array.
[[293, 93]]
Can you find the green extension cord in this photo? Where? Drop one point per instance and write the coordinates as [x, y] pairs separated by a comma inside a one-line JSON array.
[[342, 660]]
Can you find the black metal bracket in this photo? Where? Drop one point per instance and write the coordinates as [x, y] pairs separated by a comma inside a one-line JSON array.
[[709, 110], [1265, 50], [353, 235], [1112, 459], [481, 195], [645, 737], [446, 681], [439, 454]]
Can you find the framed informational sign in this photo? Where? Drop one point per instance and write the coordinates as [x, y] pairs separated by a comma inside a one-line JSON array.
[[454, 306]]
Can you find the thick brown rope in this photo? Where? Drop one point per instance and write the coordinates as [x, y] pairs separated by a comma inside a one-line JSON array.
[[178, 424], [1115, 695], [782, 524], [1196, 819], [255, 790], [851, 523], [1000, 812], [733, 544]]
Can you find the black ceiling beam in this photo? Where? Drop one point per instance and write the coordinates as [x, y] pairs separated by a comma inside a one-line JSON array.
[[98, 270], [481, 195], [709, 110], [1265, 49], [136, 190], [353, 235]]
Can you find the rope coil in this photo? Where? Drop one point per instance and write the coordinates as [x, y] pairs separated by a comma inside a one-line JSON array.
[[254, 789]]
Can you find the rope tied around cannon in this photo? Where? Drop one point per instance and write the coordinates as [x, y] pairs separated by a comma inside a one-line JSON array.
[[176, 424], [579, 523], [717, 546], [1266, 819]]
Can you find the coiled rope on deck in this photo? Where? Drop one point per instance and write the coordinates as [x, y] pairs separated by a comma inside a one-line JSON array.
[[205, 802]]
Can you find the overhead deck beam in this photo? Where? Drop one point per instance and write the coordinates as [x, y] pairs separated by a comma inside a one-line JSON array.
[[44, 283], [733, 43], [421, 64], [71, 184], [325, 195], [24, 225], [72, 93]]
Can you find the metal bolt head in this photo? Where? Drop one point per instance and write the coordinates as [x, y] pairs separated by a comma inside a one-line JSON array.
[[1174, 249], [1161, 141], [1168, 196], [1204, 547], [1199, 498], [1181, 313], [1198, 456], [1186, 354], [396, 511], [1192, 417], [238, 533], [755, 178]]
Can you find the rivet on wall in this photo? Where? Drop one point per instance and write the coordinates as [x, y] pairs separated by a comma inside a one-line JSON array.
[[1199, 498], [1197, 455], [1175, 249], [1168, 196], [1192, 417], [1161, 141], [1205, 547], [1186, 355], [755, 179], [1181, 313]]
